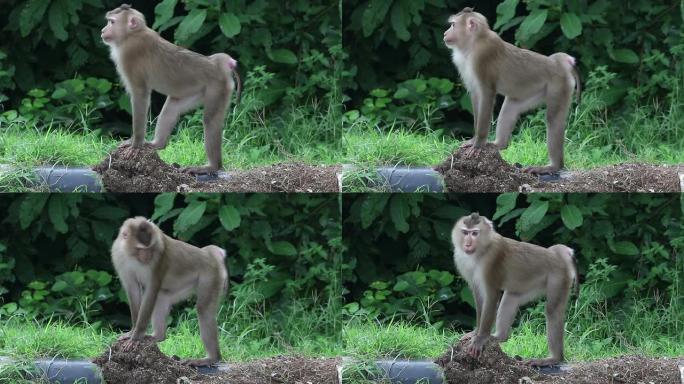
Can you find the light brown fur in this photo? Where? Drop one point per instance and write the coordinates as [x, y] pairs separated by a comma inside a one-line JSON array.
[[157, 271], [514, 272], [488, 65], [145, 61]]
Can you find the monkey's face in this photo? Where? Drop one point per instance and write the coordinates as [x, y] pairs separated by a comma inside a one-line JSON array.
[[470, 239], [119, 26], [454, 33]]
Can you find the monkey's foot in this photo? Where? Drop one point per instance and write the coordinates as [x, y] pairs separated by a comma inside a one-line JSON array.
[[125, 336], [546, 170], [206, 169], [542, 362], [206, 362], [468, 335], [472, 151]]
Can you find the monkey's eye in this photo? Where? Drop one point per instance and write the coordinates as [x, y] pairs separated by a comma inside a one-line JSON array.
[[464, 232]]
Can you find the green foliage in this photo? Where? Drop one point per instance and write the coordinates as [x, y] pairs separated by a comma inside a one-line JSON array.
[[391, 41], [53, 40], [415, 103], [634, 239], [292, 242], [412, 294]]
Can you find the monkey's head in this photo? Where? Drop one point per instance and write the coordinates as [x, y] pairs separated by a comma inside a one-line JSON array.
[[470, 232], [142, 238], [464, 27], [121, 22]]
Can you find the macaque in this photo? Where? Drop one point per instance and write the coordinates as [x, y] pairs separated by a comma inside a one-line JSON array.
[[488, 65], [514, 272], [146, 62], [157, 271]]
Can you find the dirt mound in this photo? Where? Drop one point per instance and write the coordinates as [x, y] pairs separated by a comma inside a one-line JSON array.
[[486, 172], [285, 370], [144, 364], [493, 366], [622, 370], [144, 173], [284, 177], [489, 172], [621, 178]]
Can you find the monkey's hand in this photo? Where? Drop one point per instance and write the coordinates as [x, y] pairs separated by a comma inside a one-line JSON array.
[[206, 169], [125, 336], [476, 345], [469, 335], [468, 143]]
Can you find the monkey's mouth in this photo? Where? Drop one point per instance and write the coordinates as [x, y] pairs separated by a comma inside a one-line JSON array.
[[468, 249]]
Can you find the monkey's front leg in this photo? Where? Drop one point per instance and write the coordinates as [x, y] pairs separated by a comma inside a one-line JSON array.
[[140, 101], [148, 301], [485, 323], [484, 116]]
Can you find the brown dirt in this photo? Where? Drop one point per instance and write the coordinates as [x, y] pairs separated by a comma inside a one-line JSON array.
[[149, 173], [495, 367], [146, 364], [488, 172]]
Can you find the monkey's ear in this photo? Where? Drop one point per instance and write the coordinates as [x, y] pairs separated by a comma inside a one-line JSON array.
[[489, 223], [134, 23], [471, 24]]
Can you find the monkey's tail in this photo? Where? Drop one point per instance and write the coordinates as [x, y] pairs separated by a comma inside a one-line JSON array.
[[578, 86], [576, 282], [238, 87]]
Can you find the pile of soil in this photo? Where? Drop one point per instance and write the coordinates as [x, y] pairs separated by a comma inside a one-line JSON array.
[[146, 364], [284, 177], [146, 172], [494, 366], [486, 172], [489, 172]]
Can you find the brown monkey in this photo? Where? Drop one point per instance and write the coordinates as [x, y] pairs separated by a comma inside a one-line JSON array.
[[157, 271], [146, 62], [488, 65], [492, 264]]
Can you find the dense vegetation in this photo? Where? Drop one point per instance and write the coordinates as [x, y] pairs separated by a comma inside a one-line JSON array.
[[283, 250], [629, 249], [56, 76], [401, 86]]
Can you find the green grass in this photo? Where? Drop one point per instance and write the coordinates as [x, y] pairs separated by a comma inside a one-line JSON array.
[[647, 133], [308, 134]]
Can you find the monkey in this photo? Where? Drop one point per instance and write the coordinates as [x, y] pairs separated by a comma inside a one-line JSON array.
[[516, 272], [489, 66], [145, 62], [157, 271]]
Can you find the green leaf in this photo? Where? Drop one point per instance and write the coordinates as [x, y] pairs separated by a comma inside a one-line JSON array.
[[190, 215], [59, 93], [31, 207], [401, 93], [533, 23], [163, 203], [571, 216], [372, 207], [401, 286], [283, 248], [229, 217], [58, 212], [400, 19], [229, 24], [191, 24], [571, 25], [505, 203], [533, 214], [626, 248], [505, 12], [625, 55], [399, 211], [163, 12], [32, 15], [59, 286], [110, 212], [283, 55], [58, 18], [374, 15]]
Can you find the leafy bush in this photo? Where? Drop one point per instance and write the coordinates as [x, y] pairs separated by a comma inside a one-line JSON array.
[[389, 236], [292, 242]]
